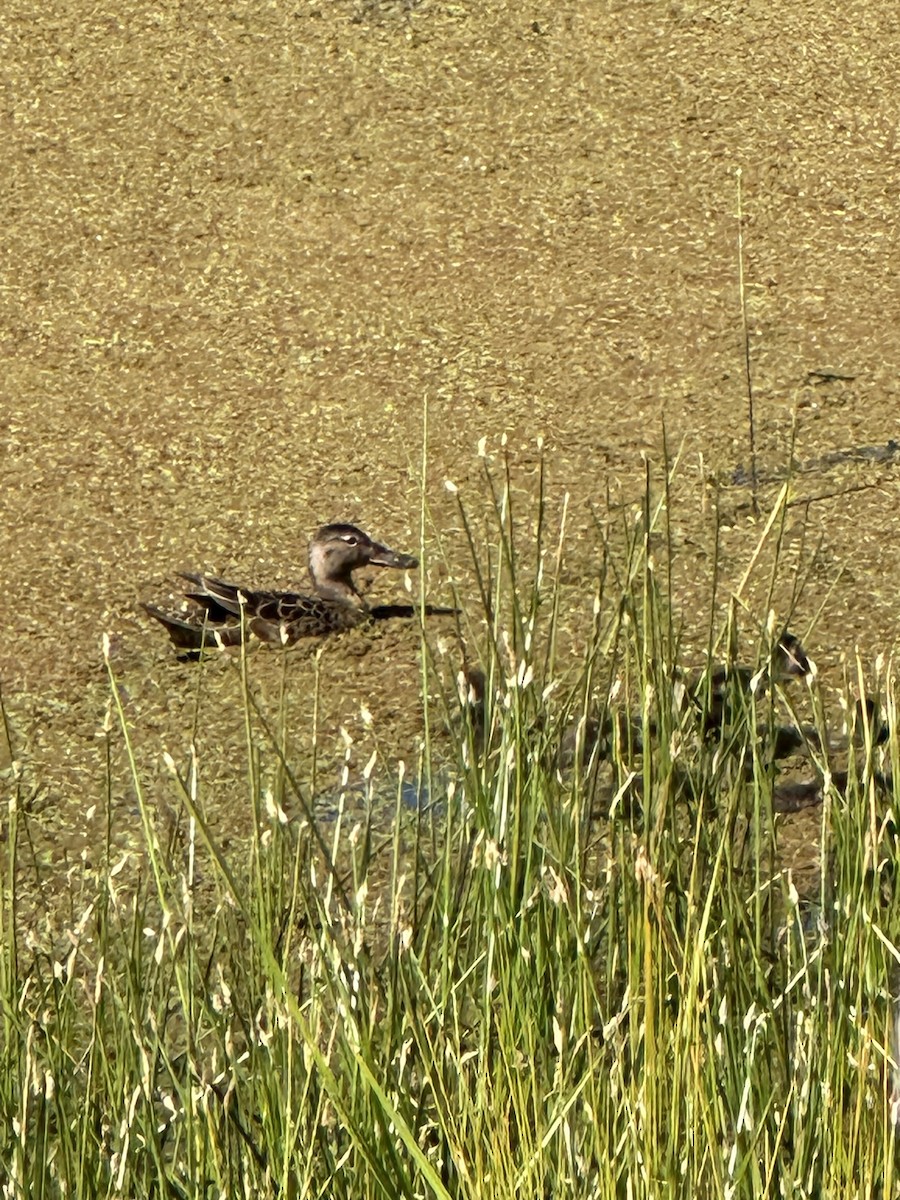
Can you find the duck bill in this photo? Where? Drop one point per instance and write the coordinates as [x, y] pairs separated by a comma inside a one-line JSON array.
[[384, 556]]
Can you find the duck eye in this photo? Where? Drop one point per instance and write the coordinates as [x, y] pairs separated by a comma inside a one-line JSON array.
[[351, 540]]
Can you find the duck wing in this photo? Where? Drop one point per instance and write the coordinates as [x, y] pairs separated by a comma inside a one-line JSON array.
[[224, 601], [220, 598]]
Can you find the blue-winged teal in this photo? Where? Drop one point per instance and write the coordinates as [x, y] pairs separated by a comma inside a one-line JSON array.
[[713, 690], [793, 795], [709, 693], [226, 609]]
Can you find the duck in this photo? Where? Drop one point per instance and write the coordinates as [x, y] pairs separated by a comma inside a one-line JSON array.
[[226, 611], [712, 691], [709, 696], [868, 730]]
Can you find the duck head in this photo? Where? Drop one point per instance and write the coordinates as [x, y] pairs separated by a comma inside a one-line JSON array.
[[789, 657], [336, 551]]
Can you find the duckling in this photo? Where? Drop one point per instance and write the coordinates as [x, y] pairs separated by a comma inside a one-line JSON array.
[[225, 609], [793, 795], [712, 691]]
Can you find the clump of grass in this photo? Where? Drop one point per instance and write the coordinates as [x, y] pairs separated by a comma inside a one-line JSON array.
[[579, 968]]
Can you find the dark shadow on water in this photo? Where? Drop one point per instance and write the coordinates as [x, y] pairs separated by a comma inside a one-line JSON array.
[[414, 797]]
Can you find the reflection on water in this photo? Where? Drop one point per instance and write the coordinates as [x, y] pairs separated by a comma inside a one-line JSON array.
[[380, 799]]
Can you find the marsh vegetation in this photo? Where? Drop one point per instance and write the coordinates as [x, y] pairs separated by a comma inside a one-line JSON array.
[[613, 928], [580, 971]]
